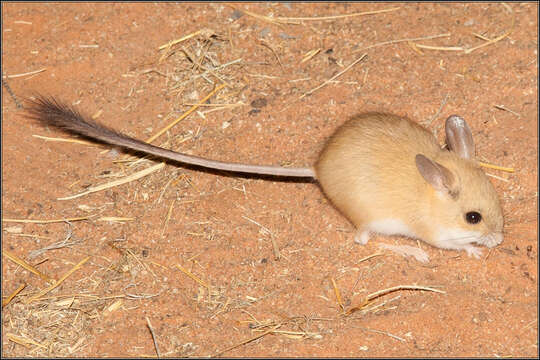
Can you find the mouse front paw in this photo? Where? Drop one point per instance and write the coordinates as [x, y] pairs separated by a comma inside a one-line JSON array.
[[473, 251], [361, 237]]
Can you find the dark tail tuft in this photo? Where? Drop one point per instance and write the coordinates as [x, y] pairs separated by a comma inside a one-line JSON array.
[[50, 111]]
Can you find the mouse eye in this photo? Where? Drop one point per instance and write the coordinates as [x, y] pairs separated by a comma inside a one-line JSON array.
[[473, 217]]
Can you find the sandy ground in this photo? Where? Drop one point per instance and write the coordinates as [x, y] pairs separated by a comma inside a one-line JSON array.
[[193, 253]]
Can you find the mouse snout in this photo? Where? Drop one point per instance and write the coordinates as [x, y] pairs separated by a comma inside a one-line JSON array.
[[491, 240]]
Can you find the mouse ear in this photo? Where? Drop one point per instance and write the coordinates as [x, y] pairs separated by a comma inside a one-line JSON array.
[[459, 137], [436, 175]]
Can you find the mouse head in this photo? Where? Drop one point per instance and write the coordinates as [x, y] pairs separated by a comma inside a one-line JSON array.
[[464, 197]]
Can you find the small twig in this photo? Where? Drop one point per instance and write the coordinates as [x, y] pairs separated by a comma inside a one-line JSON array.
[[169, 213], [114, 219], [114, 183], [188, 273], [480, 36], [381, 304], [13, 294], [319, 18], [310, 54], [258, 224], [401, 287], [275, 248], [298, 20], [269, 19], [333, 77], [369, 257], [144, 296], [24, 74], [385, 333], [184, 115], [501, 107], [153, 336], [403, 40], [143, 265], [12, 94], [379, 293], [467, 51], [174, 42], [57, 245], [441, 48], [497, 177], [211, 71], [265, 44], [247, 341], [24, 341], [338, 295], [438, 111]]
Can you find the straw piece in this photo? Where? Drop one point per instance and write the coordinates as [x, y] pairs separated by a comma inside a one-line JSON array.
[[247, 341], [379, 293], [275, 247], [496, 167], [297, 20], [319, 18], [27, 266], [46, 221], [169, 214], [115, 218], [114, 183], [115, 306], [310, 54], [401, 287], [403, 40], [497, 177], [174, 42], [502, 107], [443, 48], [24, 341], [369, 257], [385, 333], [184, 115], [83, 142], [13, 294], [267, 45], [153, 336], [468, 51], [24, 74], [45, 291], [188, 273], [266, 18], [333, 77], [338, 295]]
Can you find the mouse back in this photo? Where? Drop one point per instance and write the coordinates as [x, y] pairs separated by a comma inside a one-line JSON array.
[[370, 160]]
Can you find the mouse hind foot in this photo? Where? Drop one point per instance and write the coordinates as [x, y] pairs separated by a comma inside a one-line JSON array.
[[361, 236]]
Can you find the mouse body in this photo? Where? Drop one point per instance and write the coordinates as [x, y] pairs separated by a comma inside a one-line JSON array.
[[388, 175], [385, 173]]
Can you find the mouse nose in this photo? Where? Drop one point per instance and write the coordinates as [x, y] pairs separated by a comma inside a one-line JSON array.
[[493, 239]]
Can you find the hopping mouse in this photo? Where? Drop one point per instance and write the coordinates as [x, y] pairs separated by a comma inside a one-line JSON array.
[[385, 173]]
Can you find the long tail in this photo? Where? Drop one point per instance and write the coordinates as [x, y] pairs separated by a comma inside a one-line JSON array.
[[50, 111]]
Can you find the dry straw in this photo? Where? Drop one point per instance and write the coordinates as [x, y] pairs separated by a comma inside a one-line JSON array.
[[57, 283], [27, 266], [13, 294], [299, 20]]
